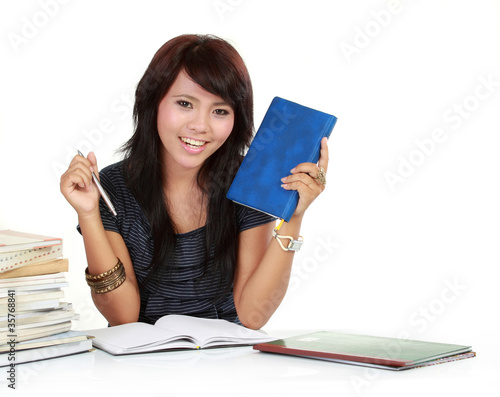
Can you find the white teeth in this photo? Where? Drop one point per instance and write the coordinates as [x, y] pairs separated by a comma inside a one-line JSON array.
[[192, 142]]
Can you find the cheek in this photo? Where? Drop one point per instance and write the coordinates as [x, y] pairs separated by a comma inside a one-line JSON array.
[[226, 129], [165, 119]]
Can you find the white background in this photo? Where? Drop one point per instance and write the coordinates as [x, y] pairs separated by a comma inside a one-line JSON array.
[[418, 258]]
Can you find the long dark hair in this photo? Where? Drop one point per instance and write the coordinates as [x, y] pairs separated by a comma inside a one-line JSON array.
[[218, 68]]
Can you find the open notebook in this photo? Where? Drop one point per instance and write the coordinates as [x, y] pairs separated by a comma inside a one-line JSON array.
[[174, 332]]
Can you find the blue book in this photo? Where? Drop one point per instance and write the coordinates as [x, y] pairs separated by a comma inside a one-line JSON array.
[[289, 134]]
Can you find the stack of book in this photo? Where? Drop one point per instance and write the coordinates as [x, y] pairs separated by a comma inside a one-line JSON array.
[[33, 317]]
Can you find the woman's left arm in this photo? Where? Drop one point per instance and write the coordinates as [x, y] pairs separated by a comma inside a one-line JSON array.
[[263, 268]]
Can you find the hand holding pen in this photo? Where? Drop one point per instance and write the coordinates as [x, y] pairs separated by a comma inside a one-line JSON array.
[[102, 191], [77, 185]]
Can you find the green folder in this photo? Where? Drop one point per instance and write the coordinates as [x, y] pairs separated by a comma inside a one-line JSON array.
[[372, 351]]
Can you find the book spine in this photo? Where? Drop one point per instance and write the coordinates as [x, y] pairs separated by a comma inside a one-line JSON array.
[[290, 207]]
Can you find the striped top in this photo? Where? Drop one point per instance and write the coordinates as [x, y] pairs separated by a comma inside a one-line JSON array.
[[185, 291]]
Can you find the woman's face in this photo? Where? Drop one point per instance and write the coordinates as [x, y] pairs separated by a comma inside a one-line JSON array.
[[192, 124]]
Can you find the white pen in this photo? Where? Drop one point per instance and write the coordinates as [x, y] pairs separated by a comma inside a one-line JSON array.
[[101, 190]]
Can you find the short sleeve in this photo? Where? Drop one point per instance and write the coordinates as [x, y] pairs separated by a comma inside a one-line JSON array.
[[249, 218]]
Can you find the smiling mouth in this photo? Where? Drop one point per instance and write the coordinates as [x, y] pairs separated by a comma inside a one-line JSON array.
[[193, 142]]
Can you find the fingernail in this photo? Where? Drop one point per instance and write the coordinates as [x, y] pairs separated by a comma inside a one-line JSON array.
[[292, 170], [283, 179]]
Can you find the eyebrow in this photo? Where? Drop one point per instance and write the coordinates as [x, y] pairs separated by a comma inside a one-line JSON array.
[[192, 98]]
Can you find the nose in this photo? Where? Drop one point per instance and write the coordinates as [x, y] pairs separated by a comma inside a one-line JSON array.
[[199, 122]]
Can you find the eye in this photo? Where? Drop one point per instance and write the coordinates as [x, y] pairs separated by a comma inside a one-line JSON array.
[[221, 112], [184, 104]]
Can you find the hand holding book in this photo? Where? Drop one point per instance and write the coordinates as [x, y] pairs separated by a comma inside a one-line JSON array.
[[291, 143], [305, 178]]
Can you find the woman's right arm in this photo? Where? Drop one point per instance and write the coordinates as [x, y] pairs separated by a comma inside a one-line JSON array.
[[103, 248]]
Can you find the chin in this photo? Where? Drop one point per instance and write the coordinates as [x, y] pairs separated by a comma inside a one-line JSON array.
[[191, 165]]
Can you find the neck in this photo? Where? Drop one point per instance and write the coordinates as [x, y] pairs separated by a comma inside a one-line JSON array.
[[179, 180], [184, 199]]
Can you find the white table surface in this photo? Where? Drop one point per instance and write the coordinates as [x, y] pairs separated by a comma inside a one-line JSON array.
[[241, 371]]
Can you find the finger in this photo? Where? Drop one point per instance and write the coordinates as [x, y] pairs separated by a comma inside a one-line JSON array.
[[79, 161], [93, 163], [301, 187], [306, 168], [293, 181], [310, 179], [79, 174], [323, 154], [76, 178], [306, 194]]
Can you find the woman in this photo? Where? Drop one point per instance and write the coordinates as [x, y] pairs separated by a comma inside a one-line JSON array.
[[177, 245]]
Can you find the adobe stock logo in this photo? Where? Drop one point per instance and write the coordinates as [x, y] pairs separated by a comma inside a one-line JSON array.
[[323, 252], [453, 116], [222, 7], [91, 138], [363, 36], [427, 314], [32, 25]]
